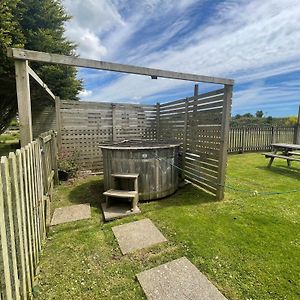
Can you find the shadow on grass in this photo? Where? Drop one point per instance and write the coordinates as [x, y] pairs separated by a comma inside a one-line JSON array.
[[187, 195], [291, 172], [92, 192], [88, 192]]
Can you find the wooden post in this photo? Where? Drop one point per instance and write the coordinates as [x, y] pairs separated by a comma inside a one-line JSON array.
[[24, 105], [297, 129], [185, 128], [243, 139], [196, 94], [58, 123], [54, 157], [224, 141], [157, 121], [114, 132]]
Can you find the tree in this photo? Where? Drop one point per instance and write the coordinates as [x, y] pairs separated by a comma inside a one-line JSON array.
[[259, 114], [36, 25], [10, 36], [291, 121]]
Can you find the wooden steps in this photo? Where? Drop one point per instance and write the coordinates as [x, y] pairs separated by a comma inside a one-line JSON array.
[[120, 193], [118, 190], [127, 175]]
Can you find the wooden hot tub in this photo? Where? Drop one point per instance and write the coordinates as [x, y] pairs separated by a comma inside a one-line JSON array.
[[154, 161]]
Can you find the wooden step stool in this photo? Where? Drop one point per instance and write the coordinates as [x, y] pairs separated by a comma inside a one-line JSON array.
[[117, 193]]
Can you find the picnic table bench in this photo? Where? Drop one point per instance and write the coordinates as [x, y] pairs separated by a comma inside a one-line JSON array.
[[287, 153]]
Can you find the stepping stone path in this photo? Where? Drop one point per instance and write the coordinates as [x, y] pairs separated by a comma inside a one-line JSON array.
[[116, 212], [177, 280], [137, 235], [71, 213]]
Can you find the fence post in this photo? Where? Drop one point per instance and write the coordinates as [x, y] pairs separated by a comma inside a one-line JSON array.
[[54, 156], [157, 121], [243, 139], [297, 129], [58, 123], [185, 133], [114, 133], [273, 135], [44, 166], [224, 141]]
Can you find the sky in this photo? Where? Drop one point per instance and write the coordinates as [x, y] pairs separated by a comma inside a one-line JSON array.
[[254, 42]]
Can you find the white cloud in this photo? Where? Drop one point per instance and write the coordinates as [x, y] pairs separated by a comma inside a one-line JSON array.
[[279, 99], [244, 40], [85, 93]]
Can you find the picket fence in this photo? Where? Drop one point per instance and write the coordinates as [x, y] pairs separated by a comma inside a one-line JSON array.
[[259, 138], [26, 184]]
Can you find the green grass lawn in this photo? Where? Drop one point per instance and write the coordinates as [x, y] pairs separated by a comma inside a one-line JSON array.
[[248, 245], [8, 143]]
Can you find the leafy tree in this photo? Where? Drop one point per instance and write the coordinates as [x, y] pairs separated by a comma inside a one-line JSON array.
[[291, 121], [259, 114], [36, 25], [248, 115], [269, 120]]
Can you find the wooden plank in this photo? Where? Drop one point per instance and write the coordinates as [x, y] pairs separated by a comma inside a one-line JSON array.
[[54, 157], [40, 82], [24, 105], [5, 269], [158, 115], [184, 147], [224, 141], [20, 157], [24, 153], [31, 204], [114, 122], [10, 227], [17, 215], [108, 66]]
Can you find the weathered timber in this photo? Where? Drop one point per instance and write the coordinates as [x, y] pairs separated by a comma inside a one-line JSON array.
[[30, 55]]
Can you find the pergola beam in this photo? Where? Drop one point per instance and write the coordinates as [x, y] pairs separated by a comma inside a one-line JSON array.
[[40, 82], [30, 55]]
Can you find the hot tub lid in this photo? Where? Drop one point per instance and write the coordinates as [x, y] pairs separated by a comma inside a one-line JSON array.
[[140, 144]]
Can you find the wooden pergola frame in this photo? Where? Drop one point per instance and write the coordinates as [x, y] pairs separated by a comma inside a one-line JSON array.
[[22, 69]]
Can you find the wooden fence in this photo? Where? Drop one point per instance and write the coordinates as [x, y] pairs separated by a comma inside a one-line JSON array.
[[246, 139], [26, 181], [86, 125], [199, 123]]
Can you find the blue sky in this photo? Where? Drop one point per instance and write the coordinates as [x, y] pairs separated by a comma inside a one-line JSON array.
[[254, 42]]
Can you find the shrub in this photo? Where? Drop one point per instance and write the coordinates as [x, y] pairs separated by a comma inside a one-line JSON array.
[[68, 163]]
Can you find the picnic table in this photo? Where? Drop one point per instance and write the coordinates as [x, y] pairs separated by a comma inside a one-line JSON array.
[[288, 152]]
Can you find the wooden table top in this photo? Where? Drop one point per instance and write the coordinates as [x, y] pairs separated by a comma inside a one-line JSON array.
[[286, 146]]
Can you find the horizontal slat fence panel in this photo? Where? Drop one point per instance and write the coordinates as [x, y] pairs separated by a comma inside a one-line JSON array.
[[255, 138], [43, 118], [23, 214], [86, 125], [196, 122]]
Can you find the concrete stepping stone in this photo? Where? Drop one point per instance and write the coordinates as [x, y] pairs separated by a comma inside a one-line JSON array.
[[117, 211], [71, 213], [177, 280], [137, 235]]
